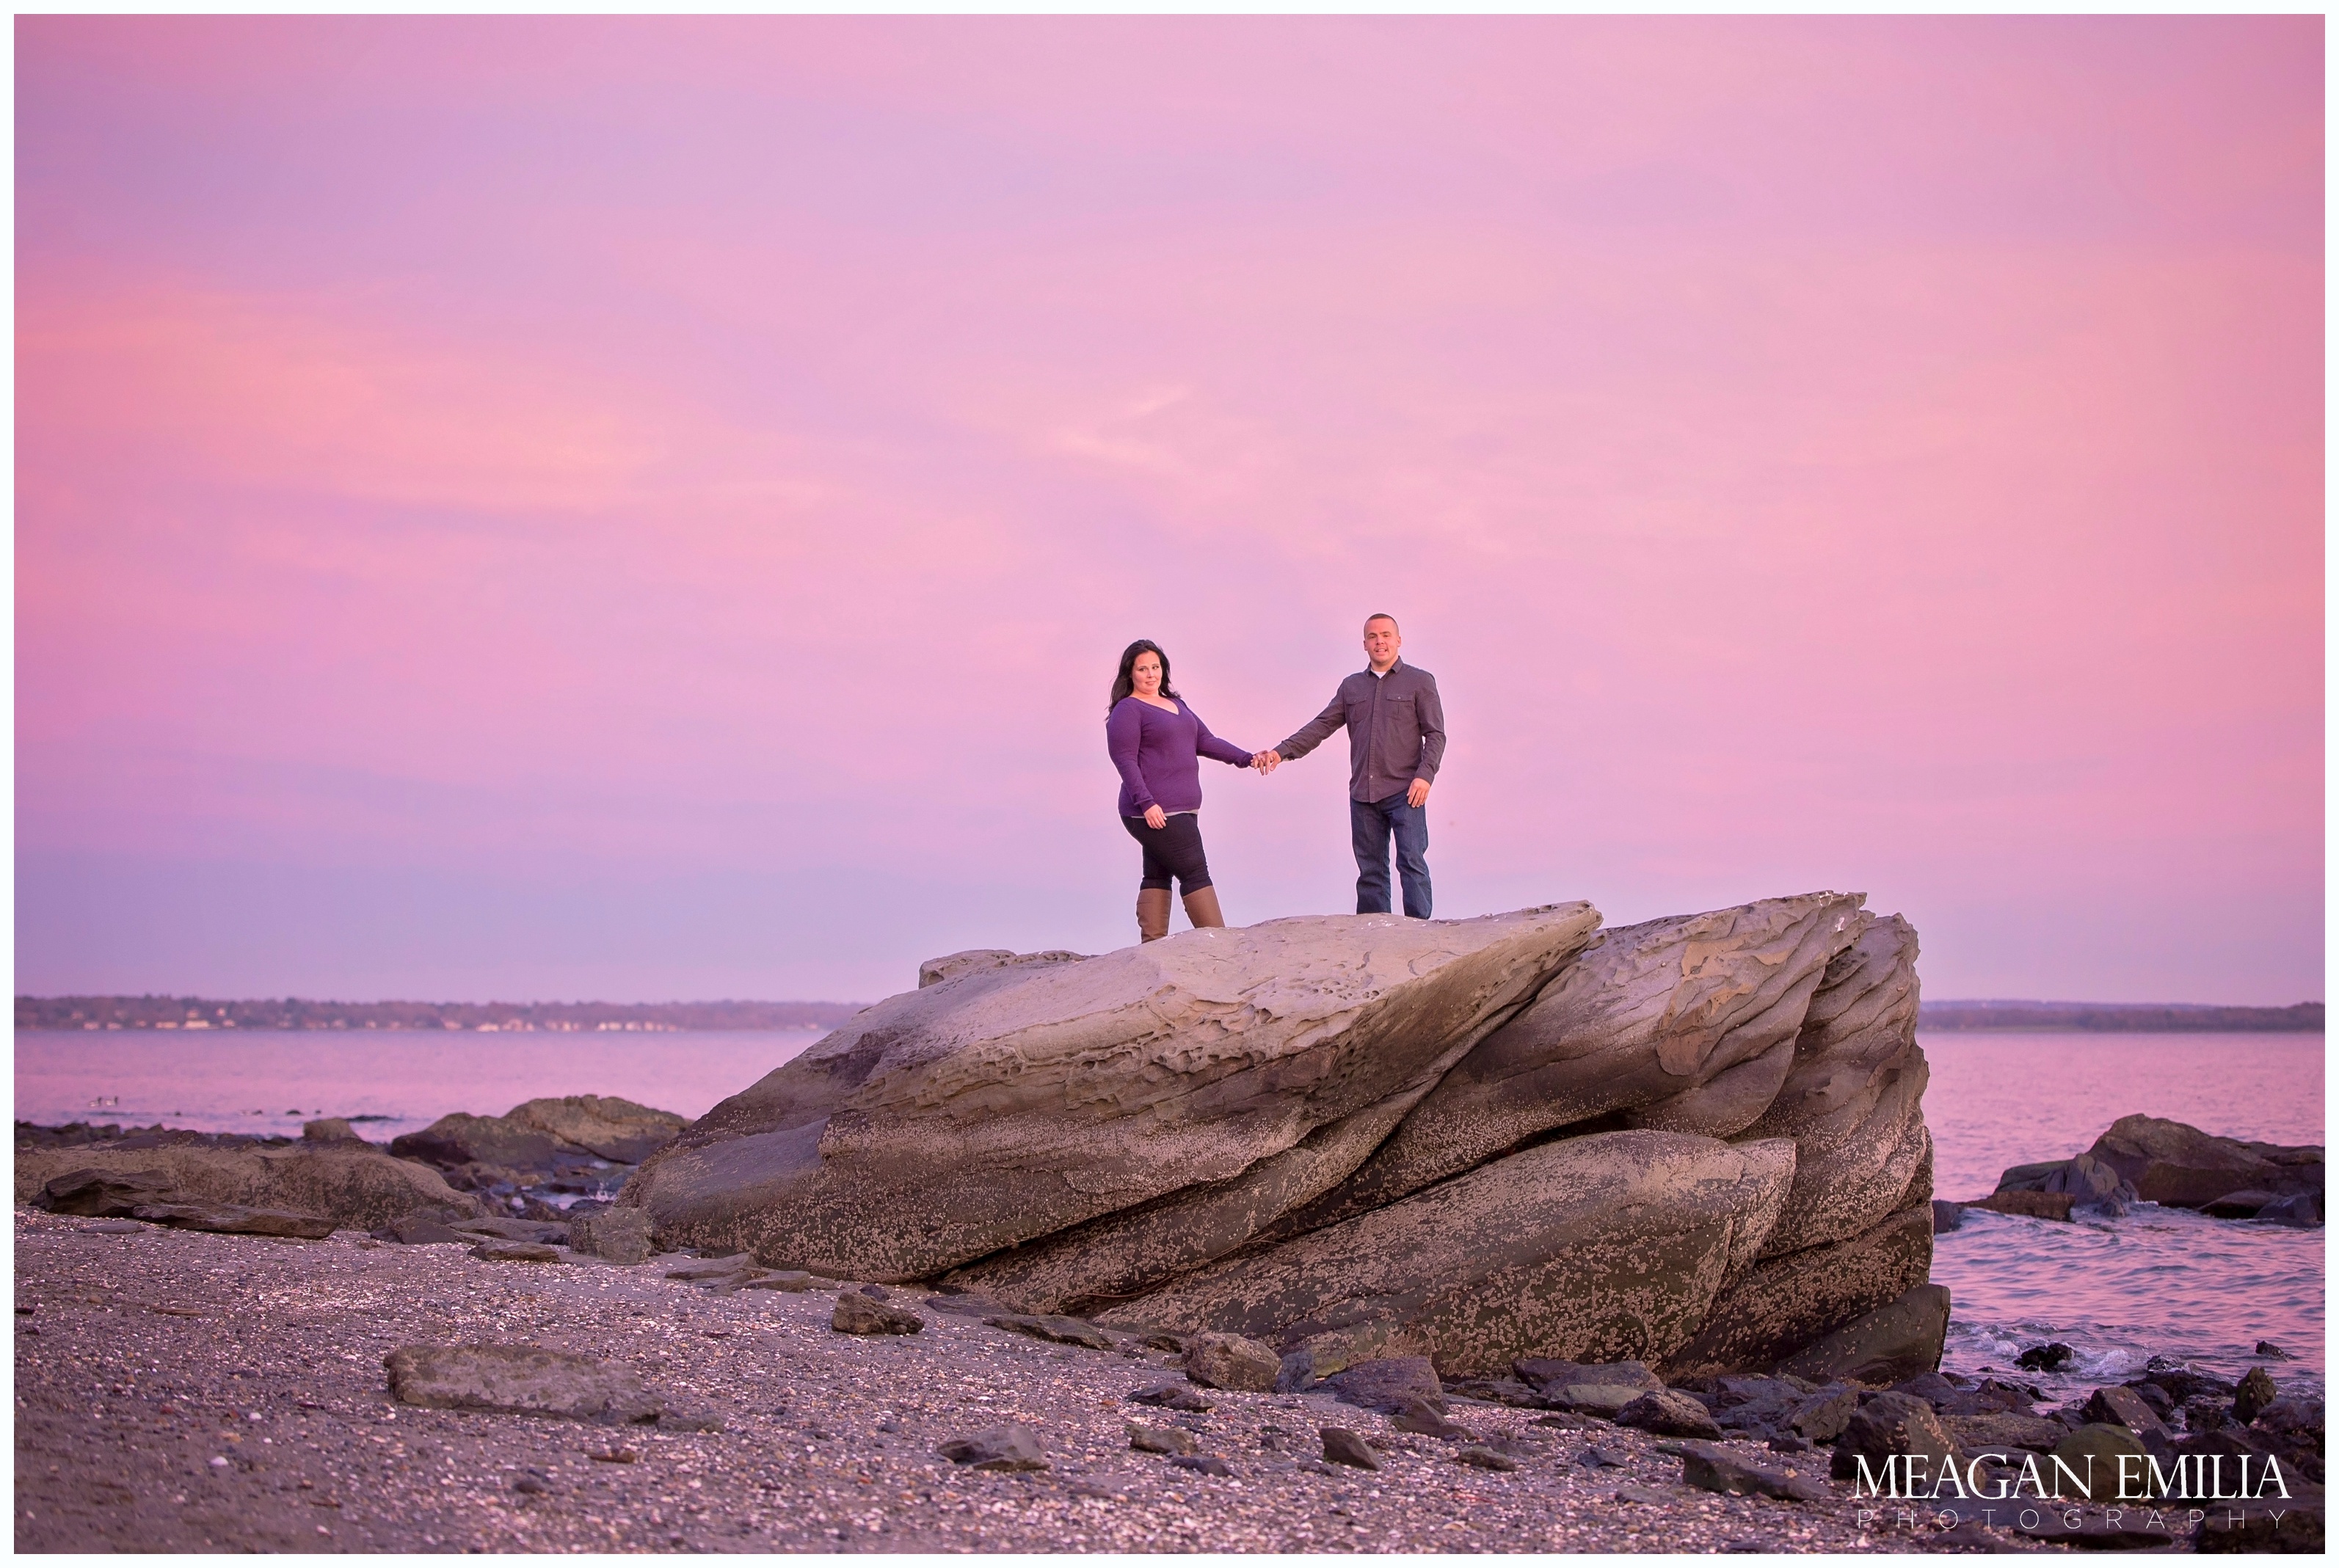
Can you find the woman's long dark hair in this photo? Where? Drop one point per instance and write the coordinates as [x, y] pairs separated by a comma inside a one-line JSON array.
[[1124, 683]]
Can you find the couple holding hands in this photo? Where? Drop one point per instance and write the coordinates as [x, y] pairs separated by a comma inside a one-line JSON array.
[[1397, 735]]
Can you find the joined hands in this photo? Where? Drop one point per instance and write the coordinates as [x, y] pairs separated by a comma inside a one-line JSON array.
[[1265, 762]]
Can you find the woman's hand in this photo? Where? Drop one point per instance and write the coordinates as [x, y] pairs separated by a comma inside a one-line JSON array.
[[1156, 817]]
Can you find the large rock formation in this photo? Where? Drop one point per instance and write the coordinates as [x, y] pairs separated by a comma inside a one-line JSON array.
[[1696, 1141]]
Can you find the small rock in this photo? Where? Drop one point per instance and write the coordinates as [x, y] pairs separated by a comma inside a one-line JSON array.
[[1295, 1372], [1206, 1463], [102, 1194], [2124, 1407], [235, 1220], [2253, 1394], [613, 1235], [1484, 1458], [876, 1293], [520, 1380], [524, 1482], [1342, 1446], [1417, 1414], [2268, 1348], [329, 1130], [503, 1228], [1013, 1447], [1604, 1459], [2304, 1209], [1789, 1443], [1055, 1329], [1385, 1384], [1232, 1361], [1160, 1439], [2103, 1444], [1669, 1413], [1888, 1424], [516, 1252], [1549, 1377], [859, 1313], [1946, 1216], [782, 1279], [116, 1228], [2051, 1357], [1170, 1395], [1715, 1468], [712, 1269], [422, 1229], [1648, 1496], [1929, 1387]]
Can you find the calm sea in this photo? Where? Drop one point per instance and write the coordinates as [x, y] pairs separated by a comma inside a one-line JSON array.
[[2159, 1281]]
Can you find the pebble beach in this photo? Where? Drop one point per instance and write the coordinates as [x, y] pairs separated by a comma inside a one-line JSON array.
[[184, 1391]]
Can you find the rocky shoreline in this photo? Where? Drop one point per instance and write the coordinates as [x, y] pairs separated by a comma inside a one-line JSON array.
[[1335, 1232]]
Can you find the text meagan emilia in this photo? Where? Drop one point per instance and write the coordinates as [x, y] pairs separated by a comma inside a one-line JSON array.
[[2139, 1478]]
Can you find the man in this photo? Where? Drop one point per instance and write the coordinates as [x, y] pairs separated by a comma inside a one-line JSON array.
[[1397, 736]]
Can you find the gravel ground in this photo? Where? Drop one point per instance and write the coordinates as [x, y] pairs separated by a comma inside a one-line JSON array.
[[189, 1392]]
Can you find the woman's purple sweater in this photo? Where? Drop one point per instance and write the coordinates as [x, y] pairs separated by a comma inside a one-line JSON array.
[[1155, 752]]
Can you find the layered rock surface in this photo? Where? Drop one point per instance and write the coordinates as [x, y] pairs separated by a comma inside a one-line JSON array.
[[1696, 1141]]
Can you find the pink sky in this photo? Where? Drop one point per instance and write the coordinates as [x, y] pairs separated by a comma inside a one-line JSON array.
[[647, 509]]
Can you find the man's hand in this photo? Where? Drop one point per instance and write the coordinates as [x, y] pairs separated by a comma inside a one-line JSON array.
[[1416, 792], [1156, 817], [1265, 762]]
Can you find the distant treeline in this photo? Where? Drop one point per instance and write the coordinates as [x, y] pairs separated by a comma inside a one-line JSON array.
[[292, 1012], [2121, 1017]]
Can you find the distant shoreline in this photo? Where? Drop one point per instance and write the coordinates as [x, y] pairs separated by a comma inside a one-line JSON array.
[[205, 1013], [2120, 1018]]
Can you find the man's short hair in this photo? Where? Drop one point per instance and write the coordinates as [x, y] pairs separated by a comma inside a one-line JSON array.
[[1384, 615]]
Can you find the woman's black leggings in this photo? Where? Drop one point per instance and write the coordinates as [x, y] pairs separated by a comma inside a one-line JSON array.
[[1172, 850]]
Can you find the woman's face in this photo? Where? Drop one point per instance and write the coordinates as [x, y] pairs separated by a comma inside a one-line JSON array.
[[1145, 675]]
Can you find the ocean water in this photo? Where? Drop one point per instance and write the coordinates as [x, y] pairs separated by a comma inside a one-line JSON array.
[[2155, 1282], [271, 1081]]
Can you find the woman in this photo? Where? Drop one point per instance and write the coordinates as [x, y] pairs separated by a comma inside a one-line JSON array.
[[1154, 738]]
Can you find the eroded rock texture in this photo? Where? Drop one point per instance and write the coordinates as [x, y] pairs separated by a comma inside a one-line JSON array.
[[1008, 1102], [1696, 1141]]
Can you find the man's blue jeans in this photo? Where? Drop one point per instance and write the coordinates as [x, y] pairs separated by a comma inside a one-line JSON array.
[[1371, 824]]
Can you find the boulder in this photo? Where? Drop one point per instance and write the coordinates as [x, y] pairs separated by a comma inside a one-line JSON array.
[[329, 1130], [1009, 1103], [1595, 1247], [1232, 1361], [528, 1380], [354, 1184], [1686, 1024], [2120, 1407], [2168, 1163], [1898, 1340], [617, 1130], [2086, 1180]]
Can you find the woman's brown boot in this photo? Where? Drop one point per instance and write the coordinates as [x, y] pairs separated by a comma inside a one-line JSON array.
[[1202, 908], [1153, 913]]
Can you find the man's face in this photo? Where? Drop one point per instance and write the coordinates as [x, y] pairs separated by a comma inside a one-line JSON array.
[[1381, 643]]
